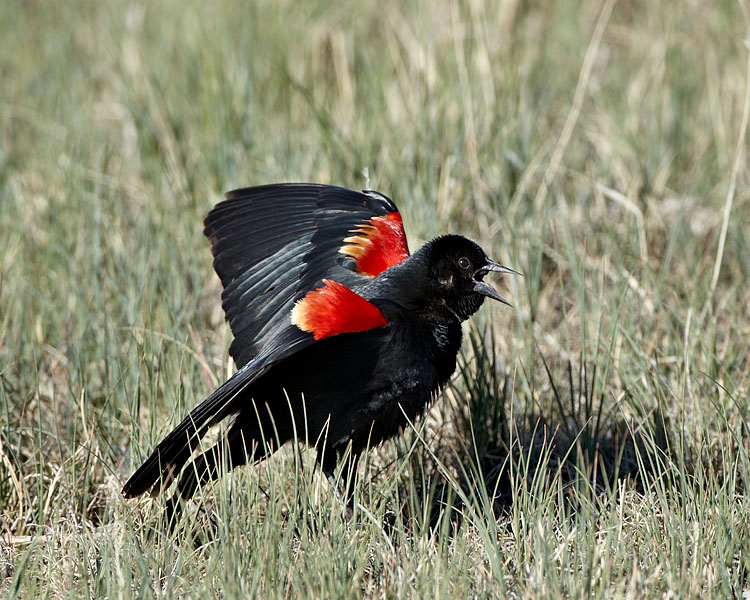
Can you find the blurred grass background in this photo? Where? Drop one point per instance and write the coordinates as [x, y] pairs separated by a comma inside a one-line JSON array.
[[595, 440]]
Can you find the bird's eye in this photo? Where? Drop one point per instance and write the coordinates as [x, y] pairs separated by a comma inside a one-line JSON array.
[[464, 263]]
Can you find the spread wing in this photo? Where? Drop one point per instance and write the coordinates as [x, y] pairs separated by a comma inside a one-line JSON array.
[[274, 244]]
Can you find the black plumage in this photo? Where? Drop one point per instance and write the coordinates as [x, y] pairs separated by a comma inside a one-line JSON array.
[[339, 334]]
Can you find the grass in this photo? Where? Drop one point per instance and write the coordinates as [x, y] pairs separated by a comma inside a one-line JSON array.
[[594, 441]]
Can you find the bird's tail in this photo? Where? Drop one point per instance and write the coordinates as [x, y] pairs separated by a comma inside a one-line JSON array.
[[171, 454], [167, 459]]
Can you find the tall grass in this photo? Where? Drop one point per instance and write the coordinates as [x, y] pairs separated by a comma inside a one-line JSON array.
[[594, 441]]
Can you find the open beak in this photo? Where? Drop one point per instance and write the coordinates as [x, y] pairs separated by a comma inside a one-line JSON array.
[[485, 288]]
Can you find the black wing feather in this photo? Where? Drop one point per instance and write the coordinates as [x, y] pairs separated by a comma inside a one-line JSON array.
[[272, 244]]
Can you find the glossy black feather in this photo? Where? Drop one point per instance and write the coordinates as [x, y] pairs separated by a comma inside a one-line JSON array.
[[272, 244]]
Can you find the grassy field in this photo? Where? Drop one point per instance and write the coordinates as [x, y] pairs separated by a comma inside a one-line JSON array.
[[595, 441]]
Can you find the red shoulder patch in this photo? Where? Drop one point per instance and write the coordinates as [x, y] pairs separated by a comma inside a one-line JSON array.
[[333, 309], [377, 244]]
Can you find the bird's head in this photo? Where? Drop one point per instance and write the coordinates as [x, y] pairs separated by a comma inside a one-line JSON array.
[[455, 270]]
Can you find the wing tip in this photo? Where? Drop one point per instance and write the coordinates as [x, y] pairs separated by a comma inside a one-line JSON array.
[[390, 205]]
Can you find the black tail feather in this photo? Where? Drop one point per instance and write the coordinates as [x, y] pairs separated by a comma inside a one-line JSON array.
[[170, 456]]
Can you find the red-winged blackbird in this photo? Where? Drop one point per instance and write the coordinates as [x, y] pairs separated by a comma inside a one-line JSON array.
[[340, 335]]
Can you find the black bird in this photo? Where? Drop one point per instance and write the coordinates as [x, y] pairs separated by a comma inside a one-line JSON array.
[[340, 334]]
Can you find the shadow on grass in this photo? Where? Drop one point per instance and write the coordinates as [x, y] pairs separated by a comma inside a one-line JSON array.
[[570, 446]]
